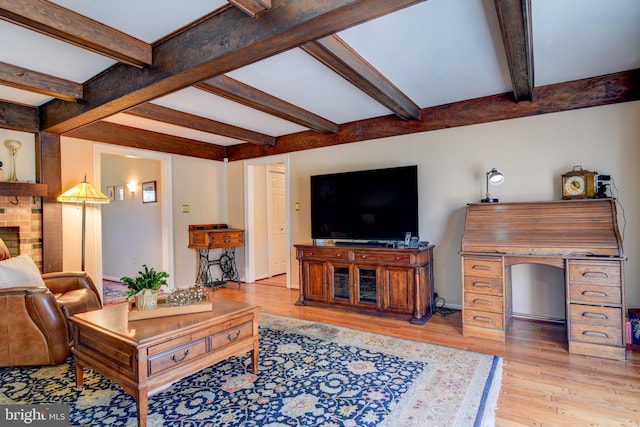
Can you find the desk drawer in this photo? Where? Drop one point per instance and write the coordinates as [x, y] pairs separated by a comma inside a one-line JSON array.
[[483, 319], [594, 294], [605, 273], [597, 325], [482, 267], [231, 335], [483, 302], [175, 356], [483, 285]]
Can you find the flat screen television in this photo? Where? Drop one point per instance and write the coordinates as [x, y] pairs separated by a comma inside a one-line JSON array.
[[370, 205]]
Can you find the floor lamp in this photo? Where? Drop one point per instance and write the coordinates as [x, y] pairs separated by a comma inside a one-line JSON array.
[[83, 193]]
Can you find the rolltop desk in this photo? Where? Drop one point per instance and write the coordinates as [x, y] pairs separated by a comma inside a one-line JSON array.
[[579, 236]]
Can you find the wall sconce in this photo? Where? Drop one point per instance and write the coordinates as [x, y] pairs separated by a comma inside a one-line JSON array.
[[14, 146], [132, 187], [494, 178]]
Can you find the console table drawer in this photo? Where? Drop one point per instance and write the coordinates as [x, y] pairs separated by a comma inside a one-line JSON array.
[[324, 253], [230, 335], [175, 356], [483, 267], [386, 258], [601, 273], [595, 294], [483, 318], [598, 325], [483, 285], [483, 302]]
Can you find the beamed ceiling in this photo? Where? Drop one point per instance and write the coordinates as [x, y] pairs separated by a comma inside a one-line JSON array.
[[248, 78]]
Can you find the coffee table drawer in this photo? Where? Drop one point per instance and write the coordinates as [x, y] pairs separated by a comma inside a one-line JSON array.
[[230, 335], [175, 356]]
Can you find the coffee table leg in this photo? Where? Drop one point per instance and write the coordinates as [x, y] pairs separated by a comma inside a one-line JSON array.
[[254, 357], [142, 401], [79, 372]]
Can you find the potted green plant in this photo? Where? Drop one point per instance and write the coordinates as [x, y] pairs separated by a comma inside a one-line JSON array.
[[144, 287]]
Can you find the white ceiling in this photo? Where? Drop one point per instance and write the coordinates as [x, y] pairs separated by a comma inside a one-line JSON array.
[[436, 52]]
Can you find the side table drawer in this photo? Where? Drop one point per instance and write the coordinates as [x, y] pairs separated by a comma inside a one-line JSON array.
[[483, 319], [594, 294], [482, 267], [483, 302], [597, 325], [230, 335], [483, 285], [171, 358]]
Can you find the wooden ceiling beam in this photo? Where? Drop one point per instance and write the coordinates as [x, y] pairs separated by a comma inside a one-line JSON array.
[[223, 42], [19, 117], [63, 24], [236, 91], [591, 92], [117, 134], [191, 121], [514, 17], [253, 8], [336, 54], [22, 78]]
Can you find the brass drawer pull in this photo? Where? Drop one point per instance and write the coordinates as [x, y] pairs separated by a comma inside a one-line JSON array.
[[595, 315], [234, 338], [482, 285], [483, 319], [595, 334], [594, 293], [175, 359], [481, 267], [595, 274], [482, 301]]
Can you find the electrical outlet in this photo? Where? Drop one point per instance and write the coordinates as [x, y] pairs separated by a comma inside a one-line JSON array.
[[185, 208]]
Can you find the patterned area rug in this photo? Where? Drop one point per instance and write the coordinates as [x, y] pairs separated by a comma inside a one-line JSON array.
[[311, 374]]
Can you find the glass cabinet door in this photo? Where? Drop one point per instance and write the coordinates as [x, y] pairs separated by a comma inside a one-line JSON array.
[[367, 285], [341, 283]]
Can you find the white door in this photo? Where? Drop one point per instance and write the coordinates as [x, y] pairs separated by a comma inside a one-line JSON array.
[[277, 221]]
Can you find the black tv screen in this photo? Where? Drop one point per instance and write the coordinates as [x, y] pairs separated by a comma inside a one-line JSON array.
[[380, 204]]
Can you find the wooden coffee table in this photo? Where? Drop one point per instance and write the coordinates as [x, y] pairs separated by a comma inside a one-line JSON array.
[[146, 356]]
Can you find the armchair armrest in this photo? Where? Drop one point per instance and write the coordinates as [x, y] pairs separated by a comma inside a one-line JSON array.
[[75, 291]]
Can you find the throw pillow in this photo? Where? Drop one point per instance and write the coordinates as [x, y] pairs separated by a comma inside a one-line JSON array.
[[19, 271]]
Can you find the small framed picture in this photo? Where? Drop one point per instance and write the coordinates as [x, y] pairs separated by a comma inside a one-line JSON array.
[[111, 193], [120, 193], [149, 192]]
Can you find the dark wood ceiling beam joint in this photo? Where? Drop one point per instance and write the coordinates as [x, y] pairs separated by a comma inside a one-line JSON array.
[[253, 8], [63, 24], [224, 42], [514, 17], [336, 54]]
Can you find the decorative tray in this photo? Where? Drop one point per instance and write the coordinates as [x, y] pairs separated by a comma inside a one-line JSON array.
[[165, 310]]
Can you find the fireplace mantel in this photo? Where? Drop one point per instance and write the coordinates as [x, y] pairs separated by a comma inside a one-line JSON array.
[[22, 189]]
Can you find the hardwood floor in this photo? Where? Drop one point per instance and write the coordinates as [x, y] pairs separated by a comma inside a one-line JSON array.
[[542, 384]]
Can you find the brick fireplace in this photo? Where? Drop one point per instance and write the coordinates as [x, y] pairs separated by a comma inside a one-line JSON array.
[[21, 226]]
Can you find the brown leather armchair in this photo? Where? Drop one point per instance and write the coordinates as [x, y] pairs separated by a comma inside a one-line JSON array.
[[34, 326]]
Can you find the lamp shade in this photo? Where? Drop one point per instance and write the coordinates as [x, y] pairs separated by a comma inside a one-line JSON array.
[[83, 192]]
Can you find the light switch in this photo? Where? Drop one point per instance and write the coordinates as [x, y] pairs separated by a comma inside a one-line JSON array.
[[185, 208]]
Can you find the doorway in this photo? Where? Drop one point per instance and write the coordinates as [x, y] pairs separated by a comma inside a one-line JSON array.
[[267, 219], [164, 237]]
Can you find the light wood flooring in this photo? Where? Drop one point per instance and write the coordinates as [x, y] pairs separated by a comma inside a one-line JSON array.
[[542, 385]]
